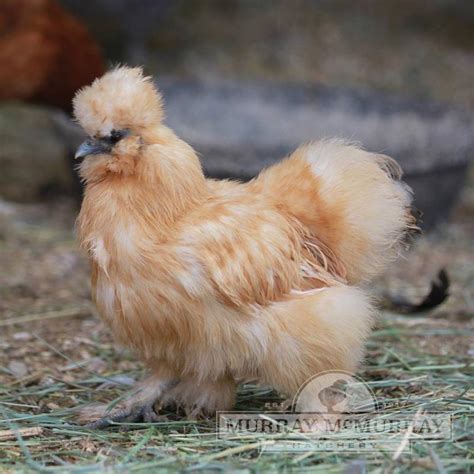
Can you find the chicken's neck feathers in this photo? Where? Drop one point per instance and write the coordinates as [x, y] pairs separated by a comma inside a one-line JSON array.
[[167, 185]]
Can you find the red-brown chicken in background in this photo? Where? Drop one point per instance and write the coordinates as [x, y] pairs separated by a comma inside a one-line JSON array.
[[211, 282], [46, 53]]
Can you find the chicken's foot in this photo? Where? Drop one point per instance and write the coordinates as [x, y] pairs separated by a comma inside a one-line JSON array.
[[140, 406]]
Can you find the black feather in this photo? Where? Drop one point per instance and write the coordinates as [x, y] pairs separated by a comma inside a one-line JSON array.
[[438, 293]]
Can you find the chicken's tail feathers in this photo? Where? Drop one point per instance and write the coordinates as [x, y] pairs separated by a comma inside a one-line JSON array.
[[352, 202]]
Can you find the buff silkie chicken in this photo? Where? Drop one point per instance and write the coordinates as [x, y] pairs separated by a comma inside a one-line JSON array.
[[214, 282]]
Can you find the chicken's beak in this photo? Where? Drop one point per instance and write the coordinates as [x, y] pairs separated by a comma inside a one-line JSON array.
[[92, 147]]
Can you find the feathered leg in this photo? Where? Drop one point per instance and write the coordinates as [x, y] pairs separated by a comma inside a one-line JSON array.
[[202, 398]]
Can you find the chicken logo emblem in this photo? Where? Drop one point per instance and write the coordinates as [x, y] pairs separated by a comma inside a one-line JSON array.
[[333, 395], [335, 392]]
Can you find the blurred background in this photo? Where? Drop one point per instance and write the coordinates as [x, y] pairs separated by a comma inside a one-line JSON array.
[[244, 82]]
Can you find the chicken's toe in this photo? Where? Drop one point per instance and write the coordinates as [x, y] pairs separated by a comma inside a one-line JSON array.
[[134, 414]]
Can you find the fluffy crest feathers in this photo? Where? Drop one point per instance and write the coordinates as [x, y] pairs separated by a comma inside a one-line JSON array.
[[121, 98]]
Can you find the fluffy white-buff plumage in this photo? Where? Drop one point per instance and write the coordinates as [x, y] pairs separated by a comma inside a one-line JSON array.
[[212, 282]]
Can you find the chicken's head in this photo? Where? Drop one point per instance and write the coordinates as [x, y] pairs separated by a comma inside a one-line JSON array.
[[118, 111]]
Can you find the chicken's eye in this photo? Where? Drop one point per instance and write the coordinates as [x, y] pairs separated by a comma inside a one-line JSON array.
[[116, 135]]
